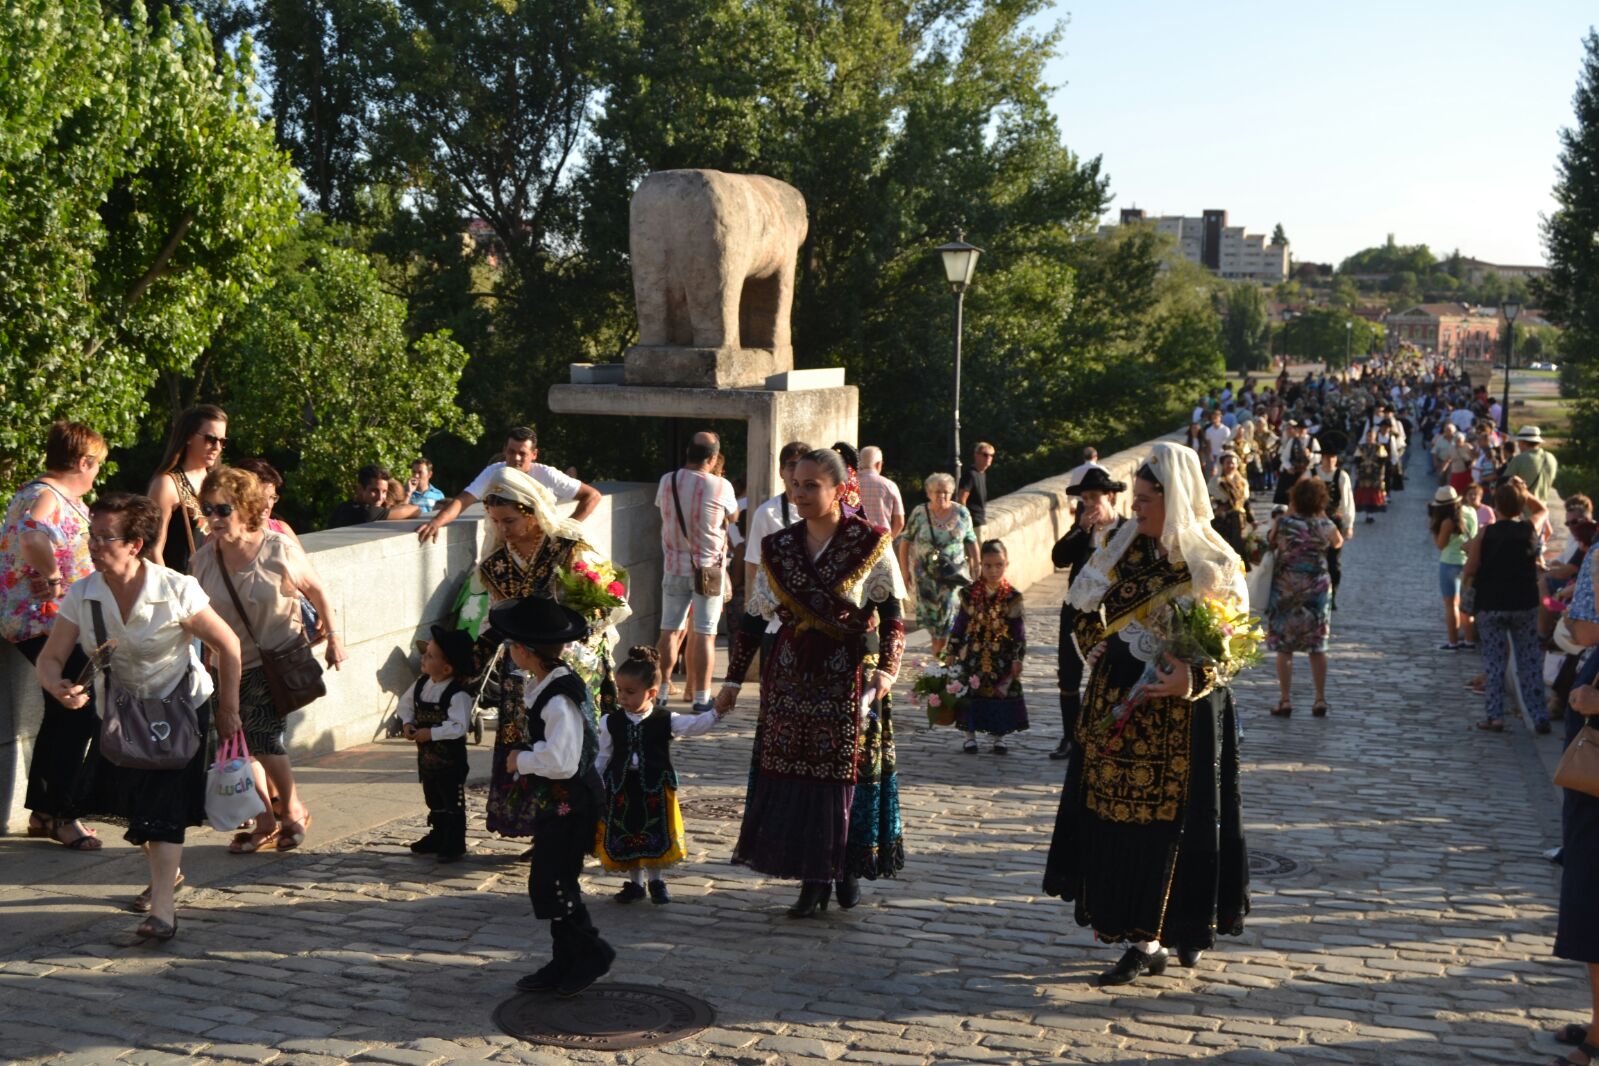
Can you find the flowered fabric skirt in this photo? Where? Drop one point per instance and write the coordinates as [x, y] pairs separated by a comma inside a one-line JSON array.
[[1299, 611], [642, 827]]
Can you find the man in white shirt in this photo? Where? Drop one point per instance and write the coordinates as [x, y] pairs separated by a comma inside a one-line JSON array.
[[880, 497], [521, 452], [1216, 437], [696, 507], [1074, 476], [775, 514]]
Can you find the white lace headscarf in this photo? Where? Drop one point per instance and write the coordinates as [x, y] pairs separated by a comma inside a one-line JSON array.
[[1186, 536], [511, 484]]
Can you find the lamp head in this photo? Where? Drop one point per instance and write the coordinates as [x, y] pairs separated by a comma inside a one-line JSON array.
[[1511, 310], [960, 262]]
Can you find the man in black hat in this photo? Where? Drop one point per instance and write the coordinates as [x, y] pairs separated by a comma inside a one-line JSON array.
[[564, 790], [1095, 522], [435, 714]]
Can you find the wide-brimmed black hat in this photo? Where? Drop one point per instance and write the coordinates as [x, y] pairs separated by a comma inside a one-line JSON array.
[[1332, 440], [456, 644], [536, 620], [1096, 480]]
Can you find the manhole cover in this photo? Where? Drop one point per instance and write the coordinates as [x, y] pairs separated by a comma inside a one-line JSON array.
[[1267, 864], [713, 808], [607, 1017]]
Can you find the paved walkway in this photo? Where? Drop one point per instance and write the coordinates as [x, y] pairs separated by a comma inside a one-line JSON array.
[[1414, 926]]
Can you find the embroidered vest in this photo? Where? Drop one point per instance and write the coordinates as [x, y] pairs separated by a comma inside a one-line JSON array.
[[650, 740], [583, 791]]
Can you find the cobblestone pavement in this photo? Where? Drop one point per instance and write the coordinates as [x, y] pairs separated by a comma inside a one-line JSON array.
[[1414, 928]]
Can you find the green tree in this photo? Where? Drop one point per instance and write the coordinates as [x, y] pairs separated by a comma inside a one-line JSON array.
[[1324, 334], [1246, 329], [1277, 235], [1570, 292], [318, 368], [142, 195], [1390, 258]]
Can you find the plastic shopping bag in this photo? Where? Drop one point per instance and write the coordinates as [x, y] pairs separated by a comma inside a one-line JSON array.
[[231, 798]]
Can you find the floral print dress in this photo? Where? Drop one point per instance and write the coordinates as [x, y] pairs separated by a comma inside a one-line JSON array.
[[937, 545], [23, 616], [1299, 609]]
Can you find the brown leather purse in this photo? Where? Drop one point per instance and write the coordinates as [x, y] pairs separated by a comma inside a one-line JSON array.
[[707, 579], [1579, 766]]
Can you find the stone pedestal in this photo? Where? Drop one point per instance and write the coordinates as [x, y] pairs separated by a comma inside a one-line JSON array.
[[817, 416], [704, 368]]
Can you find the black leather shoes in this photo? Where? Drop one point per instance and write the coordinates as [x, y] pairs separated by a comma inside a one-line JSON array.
[[812, 898], [848, 892], [630, 893], [545, 979], [1189, 956], [658, 893], [428, 845], [1134, 964], [1062, 751], [585, 972]]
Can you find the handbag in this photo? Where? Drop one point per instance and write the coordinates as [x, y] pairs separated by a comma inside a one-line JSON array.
[[1258, 581], [231, 798], [293, 676], [1579, 766], [1468, 595], [146, 732], [707, 579]]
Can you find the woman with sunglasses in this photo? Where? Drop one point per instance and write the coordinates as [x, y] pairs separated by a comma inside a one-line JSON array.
[[196, 446], [269, 573]]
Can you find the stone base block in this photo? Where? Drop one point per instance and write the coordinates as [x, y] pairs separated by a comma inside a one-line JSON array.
[[704, 368], [827, 377]]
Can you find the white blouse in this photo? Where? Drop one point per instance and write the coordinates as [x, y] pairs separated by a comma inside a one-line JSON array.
[[558, 754], [152, 648], [683, 725]]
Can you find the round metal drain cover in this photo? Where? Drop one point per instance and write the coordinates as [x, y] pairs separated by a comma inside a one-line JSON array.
[[606, 1017], [714, 808], [1267, 864]]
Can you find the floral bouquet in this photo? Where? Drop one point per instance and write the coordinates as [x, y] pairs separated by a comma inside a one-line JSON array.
[[943, 687], [594, 589], [1204, 631]]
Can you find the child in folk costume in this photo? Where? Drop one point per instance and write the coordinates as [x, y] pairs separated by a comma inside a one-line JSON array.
[[642, 829], [435, 713], [989, 640], [564, 790]]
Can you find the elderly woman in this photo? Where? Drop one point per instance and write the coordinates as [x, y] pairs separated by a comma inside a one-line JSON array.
[[1229, 498], [44, 550], [1149, 839], [938, 551], [1298, 613], [1503, 563], [255, 579], [195, 446], [154, 615], [271, 493], [824, 579], [529, 546]]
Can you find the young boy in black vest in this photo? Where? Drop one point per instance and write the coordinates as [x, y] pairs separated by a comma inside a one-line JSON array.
[[566, 792], [435, 713]]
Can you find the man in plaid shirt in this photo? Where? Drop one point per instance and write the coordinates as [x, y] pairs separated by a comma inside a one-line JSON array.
[[880, 497]]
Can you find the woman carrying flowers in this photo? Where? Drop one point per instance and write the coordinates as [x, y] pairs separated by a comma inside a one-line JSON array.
[[533, 552], [1149, 839], [989, 640]]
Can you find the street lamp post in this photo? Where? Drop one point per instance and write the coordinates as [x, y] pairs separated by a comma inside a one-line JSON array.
[[960, 263], [1511, 310], [1349, 332]]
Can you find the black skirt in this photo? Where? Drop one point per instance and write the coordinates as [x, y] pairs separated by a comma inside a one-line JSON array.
[[156, 805], [1182, 881], [1577, 933]]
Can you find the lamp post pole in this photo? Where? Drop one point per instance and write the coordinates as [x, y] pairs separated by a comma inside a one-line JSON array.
[[1349, 332], [1511, 310], [960, 263]]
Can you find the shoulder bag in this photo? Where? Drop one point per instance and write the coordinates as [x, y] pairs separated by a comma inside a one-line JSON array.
[[293, 675], [1579, 766], [707, 579], [146, 732]]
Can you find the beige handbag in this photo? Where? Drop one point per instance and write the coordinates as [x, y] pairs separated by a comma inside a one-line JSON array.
[[1579, 766]]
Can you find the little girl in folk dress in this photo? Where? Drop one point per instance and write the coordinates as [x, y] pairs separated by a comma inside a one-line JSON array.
[[989, 640], [641, 831]]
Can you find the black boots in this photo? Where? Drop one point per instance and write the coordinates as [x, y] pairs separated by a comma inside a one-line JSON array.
[[848, 892], [812, 898], [581, 957], [446, 838], [1134, 964]]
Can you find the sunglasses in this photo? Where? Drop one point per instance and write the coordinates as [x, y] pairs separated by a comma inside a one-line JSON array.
[[212, 438], [95, 538], [216, 510]]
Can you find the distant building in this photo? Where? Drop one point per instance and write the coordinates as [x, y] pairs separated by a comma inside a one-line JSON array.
[[1208, 240], [1474, 270], [1452, 330]]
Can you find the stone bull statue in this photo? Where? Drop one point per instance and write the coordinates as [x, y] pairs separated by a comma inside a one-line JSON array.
[[713, 261]]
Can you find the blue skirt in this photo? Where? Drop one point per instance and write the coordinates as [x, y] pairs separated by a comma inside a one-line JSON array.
[[996, 716]]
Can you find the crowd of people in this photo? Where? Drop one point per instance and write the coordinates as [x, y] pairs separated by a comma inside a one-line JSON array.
[[193, 595]]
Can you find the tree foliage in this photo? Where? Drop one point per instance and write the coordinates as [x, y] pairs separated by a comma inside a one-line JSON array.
[[140, 197], [1326, 333], [1277, 235], [1391, 258], [1246, 328], [1570, 292], [319, 369]]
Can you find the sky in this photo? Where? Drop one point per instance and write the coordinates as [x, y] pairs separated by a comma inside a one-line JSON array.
[[1436, 122]]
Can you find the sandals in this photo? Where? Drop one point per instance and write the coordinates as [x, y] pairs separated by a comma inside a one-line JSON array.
[[141, 902], [1590, 1050], [1319, 709], [87, 840], [1488, 725], [292, 834], [153, 928], [253, 841], [1283, 709], [970, 747], [1574, 1034]]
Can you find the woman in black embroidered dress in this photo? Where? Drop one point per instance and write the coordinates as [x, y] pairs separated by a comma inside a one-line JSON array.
[[823, 579], [1149, 839]]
